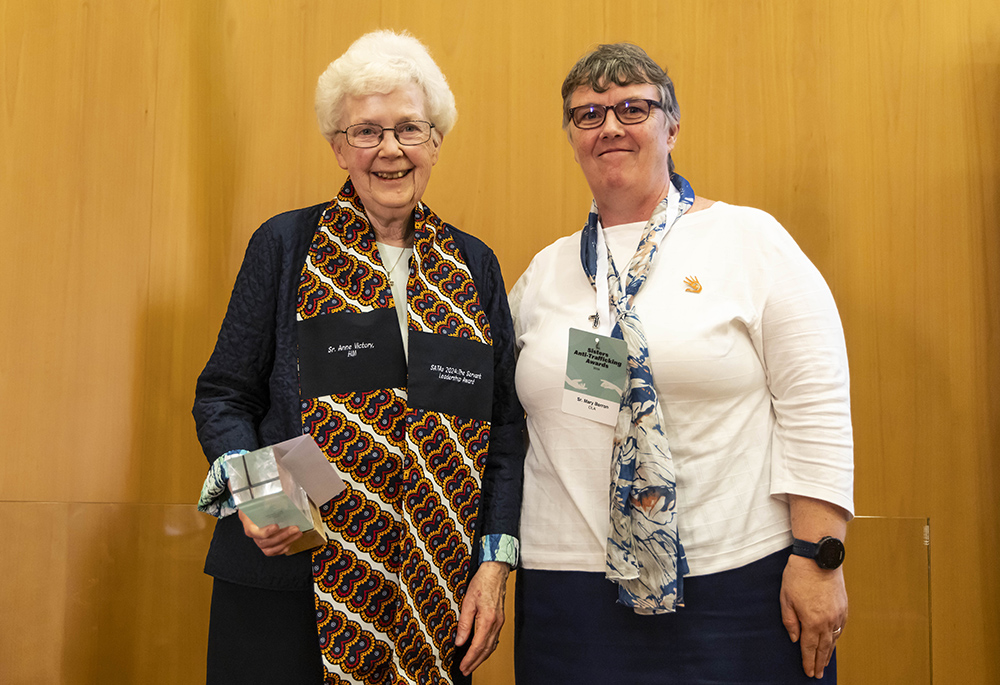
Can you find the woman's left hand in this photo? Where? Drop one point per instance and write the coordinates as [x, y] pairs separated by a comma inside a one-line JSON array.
[[482, 614], [814, 610]]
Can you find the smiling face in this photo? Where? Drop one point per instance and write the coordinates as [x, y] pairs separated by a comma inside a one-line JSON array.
[[624, 163], [390, 178]]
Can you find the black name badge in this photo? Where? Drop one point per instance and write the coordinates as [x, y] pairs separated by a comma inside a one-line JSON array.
[[451, 375], [350, 352]]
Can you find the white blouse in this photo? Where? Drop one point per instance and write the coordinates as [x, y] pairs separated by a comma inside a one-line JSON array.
[[747, 353]]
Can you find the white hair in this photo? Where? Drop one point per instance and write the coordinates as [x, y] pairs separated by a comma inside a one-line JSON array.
[[381, 62]]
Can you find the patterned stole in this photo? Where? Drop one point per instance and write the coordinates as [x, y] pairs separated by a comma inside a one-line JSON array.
[[644, 552], [390, 582]]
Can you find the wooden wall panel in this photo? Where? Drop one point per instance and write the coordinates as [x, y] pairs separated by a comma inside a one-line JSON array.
[[887, 639], [141, 143], [33, 596], [103, 593], [77, 110]]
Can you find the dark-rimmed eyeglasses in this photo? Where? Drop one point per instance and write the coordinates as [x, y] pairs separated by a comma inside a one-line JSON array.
[[370, 135], [628, 112]]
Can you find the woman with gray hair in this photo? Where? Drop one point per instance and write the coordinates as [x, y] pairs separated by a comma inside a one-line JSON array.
[[691, 350], [383, 332]]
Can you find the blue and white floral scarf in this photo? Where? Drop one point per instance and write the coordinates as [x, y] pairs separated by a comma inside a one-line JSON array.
[[644, 552]]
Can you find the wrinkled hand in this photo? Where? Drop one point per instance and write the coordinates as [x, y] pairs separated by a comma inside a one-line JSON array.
[[482, 614], [271, 540], [813, 607]]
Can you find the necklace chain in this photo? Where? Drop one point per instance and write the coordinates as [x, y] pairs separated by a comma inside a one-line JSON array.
[[392, 268]]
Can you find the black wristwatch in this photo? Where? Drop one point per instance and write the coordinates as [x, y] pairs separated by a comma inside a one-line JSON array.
[[828, 553]]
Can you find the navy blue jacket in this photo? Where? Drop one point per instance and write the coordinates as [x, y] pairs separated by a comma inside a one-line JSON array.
[[248, 395]]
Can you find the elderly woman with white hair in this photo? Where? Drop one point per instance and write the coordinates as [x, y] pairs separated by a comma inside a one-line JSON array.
[[421, 419]]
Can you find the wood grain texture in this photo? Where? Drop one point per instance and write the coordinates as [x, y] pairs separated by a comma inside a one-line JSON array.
[[141, 143], [887, 638], [104, 593], [77, 104]]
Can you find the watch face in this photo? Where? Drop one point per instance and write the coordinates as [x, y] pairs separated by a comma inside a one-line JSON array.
[[830, 554]]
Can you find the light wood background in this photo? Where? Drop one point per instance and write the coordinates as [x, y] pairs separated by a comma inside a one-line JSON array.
[[141, 142]]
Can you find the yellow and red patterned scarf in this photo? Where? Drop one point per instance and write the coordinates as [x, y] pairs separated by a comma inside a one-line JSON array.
[[409, 439]]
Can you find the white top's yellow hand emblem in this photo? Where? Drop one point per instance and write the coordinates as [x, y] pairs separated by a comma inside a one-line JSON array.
[[693, 286]]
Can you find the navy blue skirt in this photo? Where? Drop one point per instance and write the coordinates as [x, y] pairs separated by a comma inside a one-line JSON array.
[[569, 629], [262, 636]]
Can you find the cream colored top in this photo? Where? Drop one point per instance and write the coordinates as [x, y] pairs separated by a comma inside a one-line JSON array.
[[748, 356]]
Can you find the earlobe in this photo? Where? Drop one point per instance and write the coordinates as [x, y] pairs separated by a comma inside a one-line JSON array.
[[569, 135], [436, 140], [335, 145]]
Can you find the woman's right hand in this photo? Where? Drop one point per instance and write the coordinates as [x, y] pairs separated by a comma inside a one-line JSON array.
[[271, 540]]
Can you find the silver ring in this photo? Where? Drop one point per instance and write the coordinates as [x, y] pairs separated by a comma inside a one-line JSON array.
[[837, 631]]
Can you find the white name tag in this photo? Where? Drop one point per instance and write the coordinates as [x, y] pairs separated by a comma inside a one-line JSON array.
[[596, 372]]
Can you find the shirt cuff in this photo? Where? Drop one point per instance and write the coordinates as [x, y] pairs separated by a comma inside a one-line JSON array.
[[215, 497], [499, 547]]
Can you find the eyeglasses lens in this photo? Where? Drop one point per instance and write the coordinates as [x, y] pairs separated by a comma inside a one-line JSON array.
[[588, 116], [632, 111], [413, 132]]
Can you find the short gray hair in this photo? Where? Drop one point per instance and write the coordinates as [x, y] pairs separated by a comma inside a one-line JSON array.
[[381, 62], [620, 64]]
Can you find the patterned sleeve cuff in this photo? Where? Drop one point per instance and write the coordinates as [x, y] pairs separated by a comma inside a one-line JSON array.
[[499, 547], [215, 498]]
